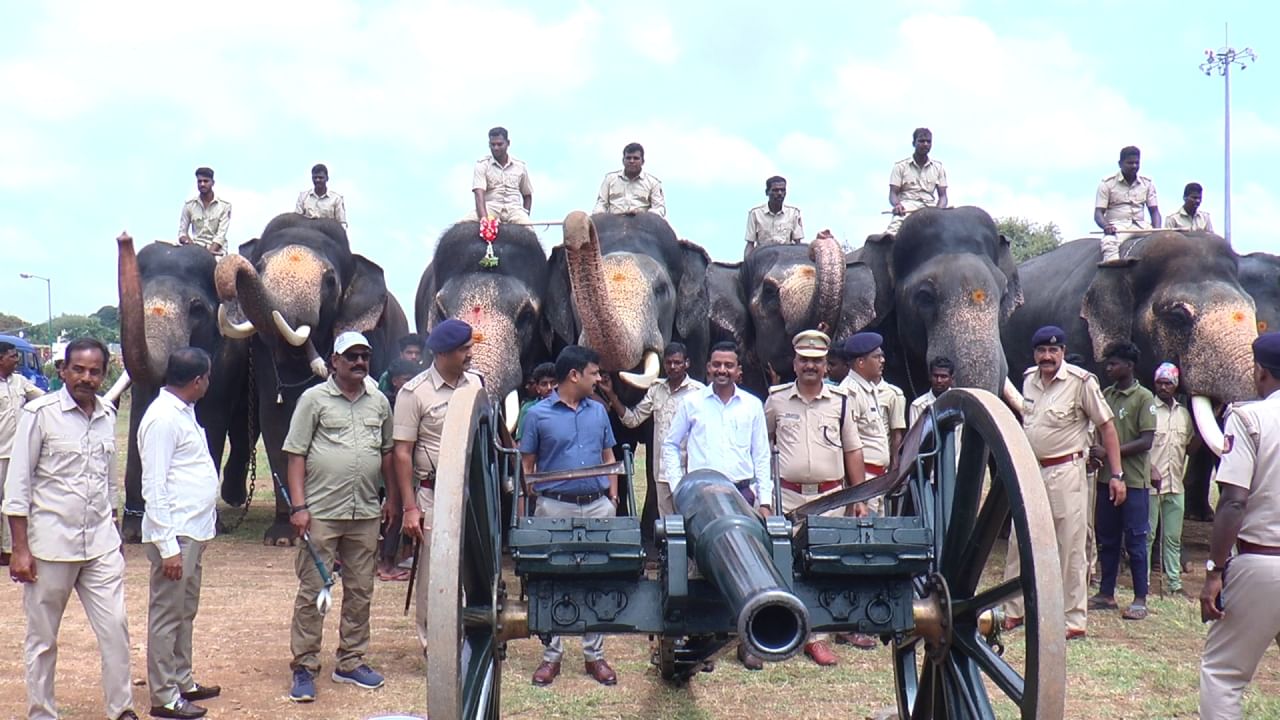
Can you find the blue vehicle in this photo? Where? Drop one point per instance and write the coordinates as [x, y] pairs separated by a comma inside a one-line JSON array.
[[28, 361]]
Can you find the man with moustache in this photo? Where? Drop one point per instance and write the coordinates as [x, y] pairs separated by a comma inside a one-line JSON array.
[[1190, 216], [631, 189], [500, 183], [205, 218], [916, 182], [1120, 204], [774, 223], [59, 497], [941, 374], [319, 201], [1174, 434]]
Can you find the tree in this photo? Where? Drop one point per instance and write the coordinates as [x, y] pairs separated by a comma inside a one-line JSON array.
[[108, 315], [11, 324], [1028, 239]]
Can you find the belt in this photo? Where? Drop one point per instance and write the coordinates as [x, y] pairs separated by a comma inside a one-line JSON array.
[[812, 488], [583, 499], [1050, 462], [1247, 548], [873, 469]]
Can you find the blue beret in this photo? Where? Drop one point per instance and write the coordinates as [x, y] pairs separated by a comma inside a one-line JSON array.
[[863, 343], [448, 335], [1266, 350], [1049, 335]]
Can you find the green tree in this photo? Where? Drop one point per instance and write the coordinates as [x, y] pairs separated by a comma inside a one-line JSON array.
[[108, 315], [11, 324], [1028, 239]]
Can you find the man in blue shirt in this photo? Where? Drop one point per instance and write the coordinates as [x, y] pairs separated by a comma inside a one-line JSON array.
[[569, 430]]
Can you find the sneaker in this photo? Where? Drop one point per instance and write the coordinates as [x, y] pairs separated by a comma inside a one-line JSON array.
[[304, 686], [363, 676]]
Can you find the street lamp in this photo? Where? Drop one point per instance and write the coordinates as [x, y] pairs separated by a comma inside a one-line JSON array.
[[1220, 61], [48, 286]]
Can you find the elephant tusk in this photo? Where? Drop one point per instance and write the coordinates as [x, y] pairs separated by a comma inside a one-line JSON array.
[[650, 375], [511, 410], [1207, 424], [121, 384], [295, 338], [229, 329], [1011, 396]]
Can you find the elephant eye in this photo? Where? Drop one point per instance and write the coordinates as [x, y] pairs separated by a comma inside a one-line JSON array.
[[925, 297], [197, 307], [525, 315], [1179, 313]]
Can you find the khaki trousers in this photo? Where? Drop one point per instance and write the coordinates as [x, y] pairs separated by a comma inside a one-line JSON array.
[[355, 542], [592, 643], [171, 616], [1236, 643], [6, 542], [792, 500], [510, 215], [427, 506], [99, 583], [1068, 501], [666, 501]]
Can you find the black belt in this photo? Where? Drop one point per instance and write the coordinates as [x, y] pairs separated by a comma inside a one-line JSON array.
[[575, 499]]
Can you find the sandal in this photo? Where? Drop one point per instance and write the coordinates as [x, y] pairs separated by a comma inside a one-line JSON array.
[[1135, 612], [1097, 602]]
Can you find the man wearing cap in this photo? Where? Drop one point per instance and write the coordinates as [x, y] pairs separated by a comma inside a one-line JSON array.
[[866, 367], [817, 442], [419, 422], [205, 219], [319, 201], [338, 447], [1240, 592], [1174, 434], [1059, 401]]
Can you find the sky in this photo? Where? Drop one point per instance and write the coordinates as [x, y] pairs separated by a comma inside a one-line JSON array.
[[110, 107]]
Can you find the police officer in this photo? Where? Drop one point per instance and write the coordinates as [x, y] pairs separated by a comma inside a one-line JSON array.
[[1060, 400], [1248, 517], [816, 440], [419, 422]]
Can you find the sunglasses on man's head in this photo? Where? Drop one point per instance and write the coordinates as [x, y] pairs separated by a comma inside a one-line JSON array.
[[354, 355]]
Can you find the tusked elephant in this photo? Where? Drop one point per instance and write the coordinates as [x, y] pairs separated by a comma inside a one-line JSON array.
[[1178, 298], [167, 302], [294, 290]]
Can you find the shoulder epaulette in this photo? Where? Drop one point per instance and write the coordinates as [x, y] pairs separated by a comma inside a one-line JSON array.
[[43, 401], [417, 380], [779, 388]]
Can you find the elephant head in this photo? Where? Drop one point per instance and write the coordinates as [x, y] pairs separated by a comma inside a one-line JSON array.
[[945, 286], [632, 287], [1260, 277]]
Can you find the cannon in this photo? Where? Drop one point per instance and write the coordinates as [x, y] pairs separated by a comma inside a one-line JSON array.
[[927, 577]]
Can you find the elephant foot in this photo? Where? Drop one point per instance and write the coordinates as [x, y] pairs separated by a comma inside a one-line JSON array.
[[280, 533], [234, 492], [131, 529]]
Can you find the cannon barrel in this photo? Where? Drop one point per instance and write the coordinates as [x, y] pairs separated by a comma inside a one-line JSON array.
[[731, 547]]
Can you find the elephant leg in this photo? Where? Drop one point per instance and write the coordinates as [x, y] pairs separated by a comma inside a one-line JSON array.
[[235, 472], [649, 514], [274, 422], [134, 505]]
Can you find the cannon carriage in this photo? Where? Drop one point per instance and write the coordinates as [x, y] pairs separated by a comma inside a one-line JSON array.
[[918, 577]]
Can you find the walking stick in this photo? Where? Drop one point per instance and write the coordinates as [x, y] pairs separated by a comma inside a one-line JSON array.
[[413, 575]]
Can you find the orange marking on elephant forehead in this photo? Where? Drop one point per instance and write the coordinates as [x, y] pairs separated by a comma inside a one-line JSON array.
[[158, 311], [293, 256], [806, 271], [979, 296]]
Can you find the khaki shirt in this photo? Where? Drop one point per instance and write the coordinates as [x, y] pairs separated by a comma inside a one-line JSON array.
[[1252, 461], [504, 186], [765, 227], [1135, 413], [1125, 205], [206, 226], [419, 418], [1180, 220], [873, 428], [15, 391], [1057, 417], [314, 206], [1169, 449], [343, 442], [810, 438], [661, 402], [918, 186], [620, 194], [62, 478], [893, 404]]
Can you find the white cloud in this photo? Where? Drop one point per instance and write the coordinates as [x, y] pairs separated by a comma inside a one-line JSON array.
[[807, 151], [651, 36]]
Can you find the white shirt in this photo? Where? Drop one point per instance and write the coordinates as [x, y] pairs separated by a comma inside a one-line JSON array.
[[730, 438], [179, 479]]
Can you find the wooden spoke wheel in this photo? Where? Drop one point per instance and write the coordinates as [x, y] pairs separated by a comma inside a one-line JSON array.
[[465, 589], [944, 669]]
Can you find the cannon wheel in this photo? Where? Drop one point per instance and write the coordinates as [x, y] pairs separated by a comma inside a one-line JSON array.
[[940, 668], [465, 589]]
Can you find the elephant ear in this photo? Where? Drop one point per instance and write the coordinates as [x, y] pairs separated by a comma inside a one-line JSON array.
[[727, 306], [858, 307], [560, 322], [691, 293], [1013, 297], [365, 298], [876, 254], [250, 249], [1107, 309]]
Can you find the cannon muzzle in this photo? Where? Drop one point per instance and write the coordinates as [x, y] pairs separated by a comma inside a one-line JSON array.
[[731, 547]]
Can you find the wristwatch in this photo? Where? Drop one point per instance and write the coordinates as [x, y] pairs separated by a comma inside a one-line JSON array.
[[1117, 476], [1210, 566], [295, 509]]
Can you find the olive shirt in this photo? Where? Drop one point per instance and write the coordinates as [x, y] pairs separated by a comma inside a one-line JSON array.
[[1056, 417], [343, 441], [419, 418], [810, 436], [1135, 413]]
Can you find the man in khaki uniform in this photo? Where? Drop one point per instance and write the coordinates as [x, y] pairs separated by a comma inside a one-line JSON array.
[[59, 498], [1168, 462], [339, 443], [1190, 216], [941, 375], [1248, 518], [205, 218], [320, 201], [893, 408], [1122, 203], [774, 223], [917, 181], [15, 391], [419, 420], [631, 189], [501, 184], [1059, 401], [812, 430]]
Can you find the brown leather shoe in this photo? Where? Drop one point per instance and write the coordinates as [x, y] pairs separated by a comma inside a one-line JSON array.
[[748, 660], [858, 640], [546, 673], [820, 653], [1076, 634], [1011, 623], [600, 671]]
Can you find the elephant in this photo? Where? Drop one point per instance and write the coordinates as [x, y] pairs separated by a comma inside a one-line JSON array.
[[1176, 296], [167, 302], [294, 290]]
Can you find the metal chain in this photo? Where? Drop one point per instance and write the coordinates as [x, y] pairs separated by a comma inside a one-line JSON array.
[[253, 449]]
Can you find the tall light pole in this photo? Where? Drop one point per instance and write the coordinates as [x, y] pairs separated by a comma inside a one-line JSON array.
[[1220, 61], [48, 286]]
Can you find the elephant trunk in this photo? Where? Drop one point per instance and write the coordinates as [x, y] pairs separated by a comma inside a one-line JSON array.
[[616, 338], [971, 340], [828, 259], [133, 331], [237, 280], [1219, 365], [496, 353]]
